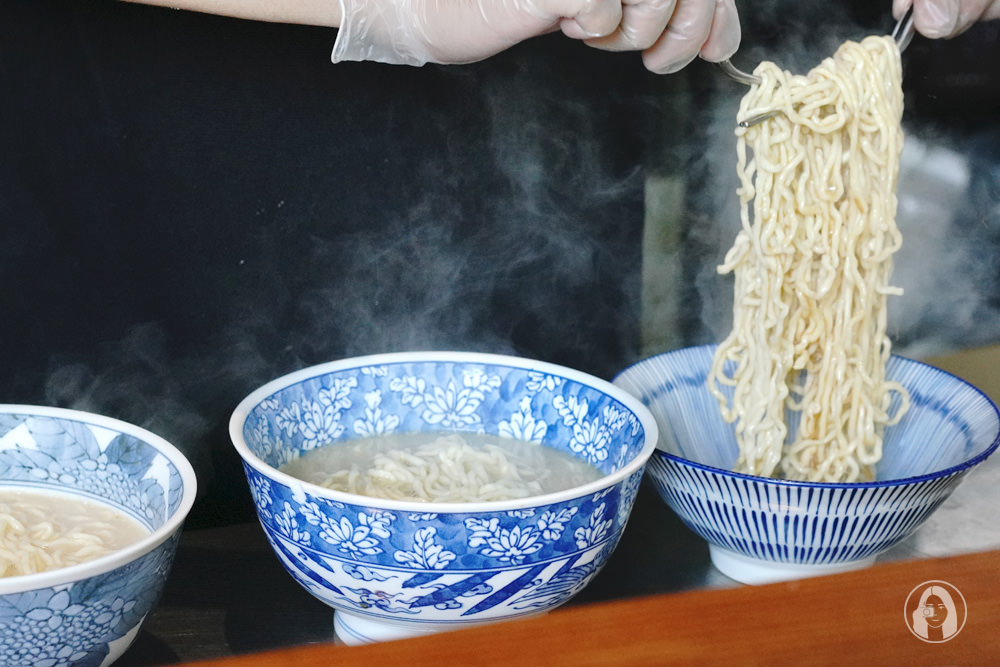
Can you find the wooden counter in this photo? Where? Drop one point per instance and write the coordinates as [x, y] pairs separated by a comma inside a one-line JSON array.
[[835, 619]]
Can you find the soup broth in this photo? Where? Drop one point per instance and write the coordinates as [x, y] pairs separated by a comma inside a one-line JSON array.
[[41, 531], [442, 467]]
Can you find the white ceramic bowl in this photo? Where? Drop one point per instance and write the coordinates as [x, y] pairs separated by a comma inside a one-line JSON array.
[[761, 530], [89, 614], [394, 569]]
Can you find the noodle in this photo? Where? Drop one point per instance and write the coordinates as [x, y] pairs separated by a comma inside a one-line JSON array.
[[42, 531], [812, 265], [445, 467]]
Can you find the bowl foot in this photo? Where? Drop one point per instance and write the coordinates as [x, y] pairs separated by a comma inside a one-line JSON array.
[[755, 571], [355, 629]]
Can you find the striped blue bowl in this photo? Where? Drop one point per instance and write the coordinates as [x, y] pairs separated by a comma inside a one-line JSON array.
[[761, 530]]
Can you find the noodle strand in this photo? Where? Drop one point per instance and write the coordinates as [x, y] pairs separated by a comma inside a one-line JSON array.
[[812, 264]]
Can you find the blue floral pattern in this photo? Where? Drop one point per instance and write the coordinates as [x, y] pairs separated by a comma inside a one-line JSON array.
[[75, 456], [92, 620], [428, 396], [403, 563], [461, 566]]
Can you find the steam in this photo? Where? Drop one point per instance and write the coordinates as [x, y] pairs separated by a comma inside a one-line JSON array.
[[947, 266], [535, 253], [136, 381], [511, 245]]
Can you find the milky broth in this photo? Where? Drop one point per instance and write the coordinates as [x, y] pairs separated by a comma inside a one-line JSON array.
[[442, 467], [43, 530]]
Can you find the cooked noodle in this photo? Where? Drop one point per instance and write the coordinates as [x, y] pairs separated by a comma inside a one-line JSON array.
[[41, 532], [441, 467], [445, 470], [812, 265]]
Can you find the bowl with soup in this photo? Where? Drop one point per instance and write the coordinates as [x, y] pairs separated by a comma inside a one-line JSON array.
[[426, 491], [765, 529], [91, 509]]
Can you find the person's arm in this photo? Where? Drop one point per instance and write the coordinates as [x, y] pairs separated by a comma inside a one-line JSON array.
[[947, 18], [303, 12], [670, 33]]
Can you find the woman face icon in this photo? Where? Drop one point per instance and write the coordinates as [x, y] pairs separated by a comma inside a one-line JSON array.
[[935, 611], [934, 616]]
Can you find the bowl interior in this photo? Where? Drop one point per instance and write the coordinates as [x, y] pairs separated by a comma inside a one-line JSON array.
[[101, 459], [571, 412], [949, 423], [117, 464], [96, 458]]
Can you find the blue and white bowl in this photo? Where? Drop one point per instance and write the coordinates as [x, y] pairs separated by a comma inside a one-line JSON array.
[[394, 569], [89, 614], [762, 530]]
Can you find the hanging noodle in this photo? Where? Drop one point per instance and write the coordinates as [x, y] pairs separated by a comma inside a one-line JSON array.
[[806, 356]]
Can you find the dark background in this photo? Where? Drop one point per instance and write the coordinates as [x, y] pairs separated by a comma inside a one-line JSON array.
[[193, 205]]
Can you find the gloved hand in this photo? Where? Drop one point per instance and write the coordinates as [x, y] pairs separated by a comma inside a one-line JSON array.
[[946, 18], [670, 33]]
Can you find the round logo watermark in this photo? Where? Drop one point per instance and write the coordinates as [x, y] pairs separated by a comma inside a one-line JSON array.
[[935, 611]]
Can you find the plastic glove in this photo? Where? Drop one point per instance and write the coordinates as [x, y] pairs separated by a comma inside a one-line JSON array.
[[671, 33], [689, 28], [946, 18]]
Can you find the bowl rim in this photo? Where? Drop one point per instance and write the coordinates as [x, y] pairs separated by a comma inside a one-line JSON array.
[[642, 413], [127, 554], [899, 481]]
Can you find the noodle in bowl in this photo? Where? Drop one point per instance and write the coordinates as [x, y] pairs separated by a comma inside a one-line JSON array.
[[800, 445], [395, 567], [88, 609], [762, 529]]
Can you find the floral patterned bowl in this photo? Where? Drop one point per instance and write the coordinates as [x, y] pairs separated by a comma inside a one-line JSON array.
[[760, 530], [89, 614], [394, 569]]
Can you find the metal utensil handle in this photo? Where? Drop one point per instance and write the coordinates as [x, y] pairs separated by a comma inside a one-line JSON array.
[[903, 32]]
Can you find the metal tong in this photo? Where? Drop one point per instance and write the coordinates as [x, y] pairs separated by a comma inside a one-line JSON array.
[[902, 34]]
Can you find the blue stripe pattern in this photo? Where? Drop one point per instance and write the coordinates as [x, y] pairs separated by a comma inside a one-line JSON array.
[[950, 427]]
